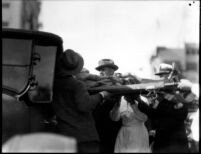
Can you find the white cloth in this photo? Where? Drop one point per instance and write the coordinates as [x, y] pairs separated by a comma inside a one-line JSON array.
[[40, 142], [195, 89], [195, 126], [133, 135]]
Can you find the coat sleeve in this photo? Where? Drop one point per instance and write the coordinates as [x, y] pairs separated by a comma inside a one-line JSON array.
[[84, 101], [163, 109], [169, 110], [143, 107]]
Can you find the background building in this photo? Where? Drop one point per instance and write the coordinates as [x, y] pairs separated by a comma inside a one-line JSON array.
[[192, 62], [21, 14], [186, 60]]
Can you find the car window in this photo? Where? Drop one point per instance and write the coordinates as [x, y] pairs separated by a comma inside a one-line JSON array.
[[44, 74], [16, 61]]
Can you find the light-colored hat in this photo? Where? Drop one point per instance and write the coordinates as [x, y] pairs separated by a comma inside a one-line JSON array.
[[70, 63], [106, 63], [164, 69]]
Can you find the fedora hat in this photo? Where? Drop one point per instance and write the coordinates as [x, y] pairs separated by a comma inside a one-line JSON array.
[[70, 63], [106, 63], [164, 69]]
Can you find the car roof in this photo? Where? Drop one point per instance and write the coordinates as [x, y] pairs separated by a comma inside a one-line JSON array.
[[40, 37]]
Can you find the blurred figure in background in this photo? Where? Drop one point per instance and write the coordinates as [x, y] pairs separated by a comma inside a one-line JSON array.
[[73, 105], [168, 112], [107, 67], [107, 129], [193, 117]]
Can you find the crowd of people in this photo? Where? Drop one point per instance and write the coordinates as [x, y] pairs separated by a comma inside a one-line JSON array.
[[105, 122]]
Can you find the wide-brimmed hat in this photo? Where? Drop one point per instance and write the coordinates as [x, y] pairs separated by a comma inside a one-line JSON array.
[[106, 63], [164, 69], [70, 62]]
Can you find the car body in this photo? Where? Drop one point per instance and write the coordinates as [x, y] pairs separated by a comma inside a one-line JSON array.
[[28, 68]]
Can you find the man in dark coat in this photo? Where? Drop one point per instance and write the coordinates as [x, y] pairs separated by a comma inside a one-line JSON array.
[[73, 105], [168, 115], [169, 124], [107, 129]]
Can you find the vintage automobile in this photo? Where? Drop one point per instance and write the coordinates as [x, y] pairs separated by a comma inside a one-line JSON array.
[[28, 64]]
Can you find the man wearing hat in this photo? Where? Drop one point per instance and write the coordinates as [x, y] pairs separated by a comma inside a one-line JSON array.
[[106, 67], [107, 129], [168, 115], [72, 103], [164, 70]]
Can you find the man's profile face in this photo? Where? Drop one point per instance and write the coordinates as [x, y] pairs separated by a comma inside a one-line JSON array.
[[107, 71]]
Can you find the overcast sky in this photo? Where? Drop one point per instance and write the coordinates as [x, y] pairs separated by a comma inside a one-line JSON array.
[[126, 31]]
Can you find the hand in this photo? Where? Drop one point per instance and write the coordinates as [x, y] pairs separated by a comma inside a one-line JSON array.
[[185, 85], [152, 132], [146, 100], [106, 95], [131, 78], [169, 97], [82, 76], [190, 98], [130, 98], [178, 106]]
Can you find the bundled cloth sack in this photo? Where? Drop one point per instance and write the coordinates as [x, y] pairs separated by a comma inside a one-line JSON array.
[[92, 80]]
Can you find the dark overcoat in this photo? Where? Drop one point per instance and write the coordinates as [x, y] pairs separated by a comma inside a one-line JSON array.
[[73, 107], [106, 127], [169, 124]]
